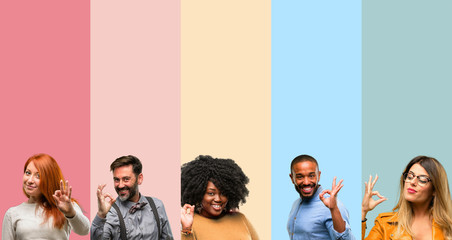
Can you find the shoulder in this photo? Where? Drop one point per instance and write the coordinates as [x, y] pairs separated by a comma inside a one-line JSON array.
[[20, 208], [158, 203]]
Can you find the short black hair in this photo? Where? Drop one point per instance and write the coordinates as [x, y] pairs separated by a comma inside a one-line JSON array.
[[125, 161], [225, 174], [303, 158]]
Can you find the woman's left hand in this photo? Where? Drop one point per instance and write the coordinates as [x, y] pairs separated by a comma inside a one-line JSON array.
[[63, 199]]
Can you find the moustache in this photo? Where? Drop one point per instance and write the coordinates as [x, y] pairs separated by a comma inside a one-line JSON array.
[[123, 188]]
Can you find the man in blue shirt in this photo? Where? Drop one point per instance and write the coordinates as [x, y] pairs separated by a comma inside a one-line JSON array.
[[314, 215]]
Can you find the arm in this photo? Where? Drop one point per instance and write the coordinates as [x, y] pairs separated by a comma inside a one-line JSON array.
[[369, 204], [338, 227], [166, 228], [79, 222], [8, 231], [187, 214], [98, 228], [250, 227]]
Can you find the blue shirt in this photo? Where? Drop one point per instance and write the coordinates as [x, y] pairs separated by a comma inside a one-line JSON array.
[[311, 219]]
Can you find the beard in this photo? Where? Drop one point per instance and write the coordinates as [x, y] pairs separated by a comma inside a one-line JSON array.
[[299, 188], [132, 192]]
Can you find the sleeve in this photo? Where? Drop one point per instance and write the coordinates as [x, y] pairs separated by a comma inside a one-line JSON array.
[[345, 235], [8, 230], [166, 228], [377, 231], [250, 227], [101, 229], [79, 223]]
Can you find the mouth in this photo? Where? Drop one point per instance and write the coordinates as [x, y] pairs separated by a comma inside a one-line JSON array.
[[410, 190], [306, 189], [217, 207], [30, 187]]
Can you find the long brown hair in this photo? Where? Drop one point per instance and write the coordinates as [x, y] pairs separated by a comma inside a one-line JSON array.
[[50, 177], [441, 204]]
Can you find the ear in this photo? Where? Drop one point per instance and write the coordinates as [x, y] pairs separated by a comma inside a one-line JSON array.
[[318, 178], [291, 178], [140, 178]]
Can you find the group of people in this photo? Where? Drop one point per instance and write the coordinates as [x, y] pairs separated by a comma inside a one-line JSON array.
[[212, 190]]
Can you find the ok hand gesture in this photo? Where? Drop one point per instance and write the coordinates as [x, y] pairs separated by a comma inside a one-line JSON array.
[[103, 205], [63, 200], [331, 202], [368, 202], [186, 216]]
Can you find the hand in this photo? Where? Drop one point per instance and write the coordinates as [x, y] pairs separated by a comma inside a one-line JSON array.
[[186, 216], [331, 202], [63, 200], [103, 205], [368, 202]]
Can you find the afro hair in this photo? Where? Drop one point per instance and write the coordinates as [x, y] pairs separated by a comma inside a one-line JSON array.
[[225, 174]]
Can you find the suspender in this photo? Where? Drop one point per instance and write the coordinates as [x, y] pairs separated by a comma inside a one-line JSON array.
[[122, 225]]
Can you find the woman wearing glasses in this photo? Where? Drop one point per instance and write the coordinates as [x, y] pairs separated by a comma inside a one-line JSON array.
[[424, 210]]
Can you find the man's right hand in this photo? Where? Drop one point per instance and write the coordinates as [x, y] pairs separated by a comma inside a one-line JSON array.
[[103, 205]]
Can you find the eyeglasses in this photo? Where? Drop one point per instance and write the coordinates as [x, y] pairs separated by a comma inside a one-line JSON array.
[[422, 180]]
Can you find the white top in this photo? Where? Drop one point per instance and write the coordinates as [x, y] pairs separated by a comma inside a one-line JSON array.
[[25, 222]]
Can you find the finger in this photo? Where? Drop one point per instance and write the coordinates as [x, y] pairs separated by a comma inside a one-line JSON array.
[[112, 200], [340, 182], [369, 183], [338, 189], [377, 193], [365, 187], [375, 180], [57, 193], [380, 201], [99, 194], [61, 186], [66, 187], [334, 183], [101, 187], [56, 199], [70, 192]]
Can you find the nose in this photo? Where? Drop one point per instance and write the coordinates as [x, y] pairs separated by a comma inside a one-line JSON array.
[[30, 179], [306, 181], [217, 198], [121, 184]]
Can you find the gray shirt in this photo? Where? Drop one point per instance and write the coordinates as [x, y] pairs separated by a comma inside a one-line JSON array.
[[140, 225]]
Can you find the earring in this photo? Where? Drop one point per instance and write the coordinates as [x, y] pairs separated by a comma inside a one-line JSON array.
[[198, 207]]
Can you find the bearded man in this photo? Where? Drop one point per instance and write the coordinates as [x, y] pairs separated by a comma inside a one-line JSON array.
[[314, 215], [130, 215]]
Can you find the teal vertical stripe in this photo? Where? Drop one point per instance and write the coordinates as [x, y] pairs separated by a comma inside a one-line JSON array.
[[407, 84], [316, 100]]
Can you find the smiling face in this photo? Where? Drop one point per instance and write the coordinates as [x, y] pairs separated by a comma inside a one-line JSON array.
[[31, 181], [213, 202], [415, 193], [305, 178], [126, 183]]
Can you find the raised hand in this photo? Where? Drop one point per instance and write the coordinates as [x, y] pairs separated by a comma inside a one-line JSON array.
[[186, 216], [63, 201], [368, 202], [103, 205], [331, 202]]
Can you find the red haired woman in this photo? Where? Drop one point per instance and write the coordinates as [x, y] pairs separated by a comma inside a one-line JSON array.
[[50, 212]]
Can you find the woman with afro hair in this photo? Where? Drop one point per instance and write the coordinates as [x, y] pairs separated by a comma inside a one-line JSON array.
[[211, 191]]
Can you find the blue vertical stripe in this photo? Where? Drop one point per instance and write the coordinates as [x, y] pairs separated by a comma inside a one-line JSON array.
[[316, 100]]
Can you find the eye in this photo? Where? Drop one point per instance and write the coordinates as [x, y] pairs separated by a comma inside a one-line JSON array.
[[37, 175], [210, 193], [410, 176], [312, 176], [423, 179], [27, 173]]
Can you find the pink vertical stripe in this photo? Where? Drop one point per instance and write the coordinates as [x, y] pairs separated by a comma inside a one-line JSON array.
[[135, 96], [44, 92]]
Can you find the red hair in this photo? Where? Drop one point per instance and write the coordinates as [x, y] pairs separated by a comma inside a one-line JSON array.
[[50, 177]]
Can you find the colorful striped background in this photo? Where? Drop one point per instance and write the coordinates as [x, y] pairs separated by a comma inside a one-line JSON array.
[[256, 81]]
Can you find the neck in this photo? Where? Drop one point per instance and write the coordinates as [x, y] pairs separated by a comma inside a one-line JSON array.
[[421, 209], [32, 199], [135, 198]]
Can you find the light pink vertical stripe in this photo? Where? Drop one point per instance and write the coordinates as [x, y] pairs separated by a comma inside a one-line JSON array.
[[44, 92], [135, 95]]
